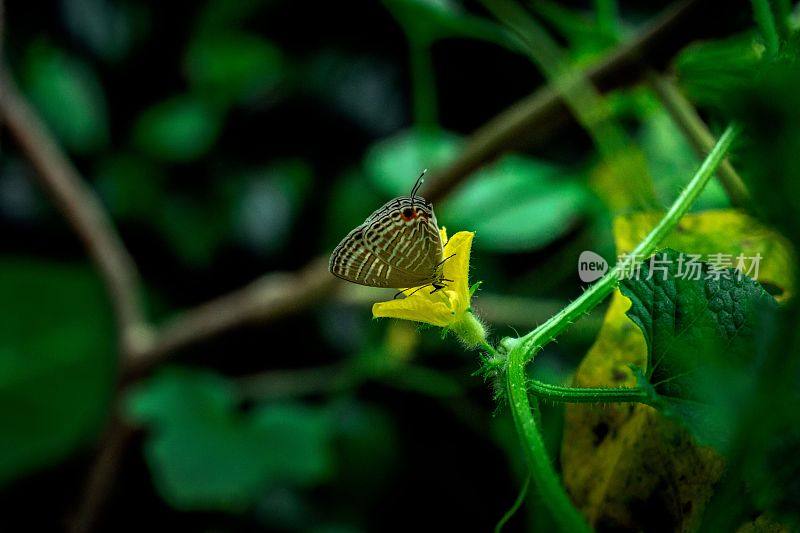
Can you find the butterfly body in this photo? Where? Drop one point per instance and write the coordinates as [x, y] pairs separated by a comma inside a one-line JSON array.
[[397, 246]]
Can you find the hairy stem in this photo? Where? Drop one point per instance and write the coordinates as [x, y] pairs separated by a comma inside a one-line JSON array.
[[542, 335], [542, 471], [698, 135], [762, 13], [562, 394], [523, 349]]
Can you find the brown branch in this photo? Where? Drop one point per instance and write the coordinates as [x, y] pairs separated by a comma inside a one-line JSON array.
[[270, 297], [100, 481], [82, 209]]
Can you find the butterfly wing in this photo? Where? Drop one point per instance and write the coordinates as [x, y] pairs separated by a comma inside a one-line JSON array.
[[390, 250], [410, 244], [353, 261]]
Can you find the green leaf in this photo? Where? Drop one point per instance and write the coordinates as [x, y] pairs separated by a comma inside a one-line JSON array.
[[694, 329], [108, 28], [194, 228], [393, 164], [180, 129], [131, 186], [341, 81], [266, 202], [205, 454], [429, 20], [546, 204], [69, 95], [671, 158], [586, 38], [709, 70], [57, 359], [351, 201], [231, 67]]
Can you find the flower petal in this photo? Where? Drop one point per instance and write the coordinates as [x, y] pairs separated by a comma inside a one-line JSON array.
[[418, 309], [457, 268]]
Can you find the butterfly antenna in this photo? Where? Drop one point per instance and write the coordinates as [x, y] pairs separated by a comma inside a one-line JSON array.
[[417, 185]]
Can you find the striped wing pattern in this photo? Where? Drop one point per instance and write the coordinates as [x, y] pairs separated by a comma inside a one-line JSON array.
[[391, 248]]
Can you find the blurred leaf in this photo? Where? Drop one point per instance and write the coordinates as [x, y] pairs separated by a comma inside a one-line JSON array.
[[69, 95], [708, 70], [428, 20], [689, 325], [671, 158], [366, 441], [364, 89], [229, 67], [205, 454], [194, 228], [516, 204], [722, 231], [267, 202], [223, 14], [587, 40], [56, 362], [393, 164], [767, 108], [350, 203], [107, 27], [131, 186], [20, 199], [180, 129]]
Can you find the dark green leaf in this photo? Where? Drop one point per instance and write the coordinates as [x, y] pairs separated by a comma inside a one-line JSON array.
[[429, 20], [206, 454], [69, 96], [696, 330], [708, 70], [107, 27], [671, 158], [586, 38], [351, 201], [56, 362], [182, 128], [194, 228], [266, 203], [234, 66], [131, 186]]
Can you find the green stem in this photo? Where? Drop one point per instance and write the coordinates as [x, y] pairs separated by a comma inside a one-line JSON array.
[[607, 15], [561, 394], [423, 83], [523, 491], [522, 350], [696, 132], [542, 335], [762, 13], [542, 472]]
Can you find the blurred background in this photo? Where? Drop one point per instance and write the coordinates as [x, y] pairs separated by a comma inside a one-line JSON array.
[[232, 145]]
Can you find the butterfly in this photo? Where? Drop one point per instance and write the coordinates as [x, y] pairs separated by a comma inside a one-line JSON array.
[[399, 245]]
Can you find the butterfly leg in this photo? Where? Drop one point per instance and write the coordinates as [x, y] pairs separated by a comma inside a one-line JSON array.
[[445, 259], [411, 293]]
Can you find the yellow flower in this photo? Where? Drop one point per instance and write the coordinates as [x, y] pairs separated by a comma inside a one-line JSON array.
[[446, 308]]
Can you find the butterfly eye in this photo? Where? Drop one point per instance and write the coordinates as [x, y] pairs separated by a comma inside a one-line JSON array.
[[408, 213]]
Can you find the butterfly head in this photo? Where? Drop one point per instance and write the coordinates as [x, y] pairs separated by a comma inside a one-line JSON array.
[[418, 208]]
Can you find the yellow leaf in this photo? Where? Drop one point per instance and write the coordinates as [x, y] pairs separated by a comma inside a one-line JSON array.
[[621, 457], [719, 231]]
